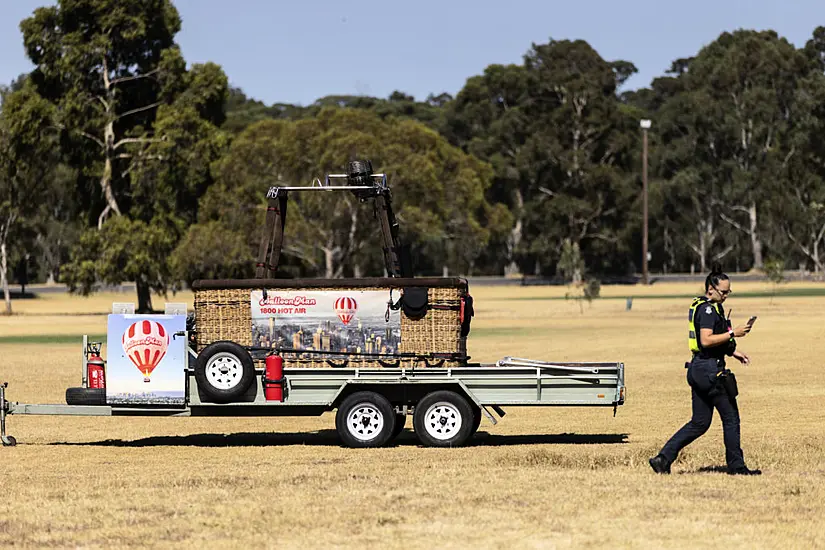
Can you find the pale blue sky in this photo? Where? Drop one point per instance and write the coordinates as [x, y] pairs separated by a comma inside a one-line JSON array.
[[298, 51]]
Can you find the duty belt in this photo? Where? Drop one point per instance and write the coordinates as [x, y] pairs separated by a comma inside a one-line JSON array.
[[720, 361]]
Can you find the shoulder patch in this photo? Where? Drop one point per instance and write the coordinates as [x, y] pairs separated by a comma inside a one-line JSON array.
[[708, 310]]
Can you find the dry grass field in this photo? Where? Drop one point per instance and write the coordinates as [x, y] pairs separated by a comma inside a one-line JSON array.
[[542, 478]]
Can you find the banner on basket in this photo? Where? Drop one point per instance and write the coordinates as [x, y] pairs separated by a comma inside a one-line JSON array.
[[354, 321]]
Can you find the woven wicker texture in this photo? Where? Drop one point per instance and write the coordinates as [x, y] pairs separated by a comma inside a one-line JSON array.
[[225, 314]]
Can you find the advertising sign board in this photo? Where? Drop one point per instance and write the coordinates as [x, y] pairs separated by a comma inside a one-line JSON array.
[[146, 359]]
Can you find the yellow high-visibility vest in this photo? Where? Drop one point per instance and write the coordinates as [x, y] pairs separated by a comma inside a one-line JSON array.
[[693, 333]]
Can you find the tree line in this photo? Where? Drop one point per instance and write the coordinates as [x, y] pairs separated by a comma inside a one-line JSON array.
[[118, 162]]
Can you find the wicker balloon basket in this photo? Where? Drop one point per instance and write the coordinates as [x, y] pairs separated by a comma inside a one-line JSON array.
[[223, 311]]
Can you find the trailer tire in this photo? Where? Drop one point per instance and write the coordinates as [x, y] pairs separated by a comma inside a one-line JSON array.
[[224, 371], [443, 418], [400, 424], [476, 420], [365, 419], [85, 396]]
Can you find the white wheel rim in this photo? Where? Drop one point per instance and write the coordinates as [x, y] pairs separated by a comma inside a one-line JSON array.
[[442, 421], [365, 422], [224, 371]]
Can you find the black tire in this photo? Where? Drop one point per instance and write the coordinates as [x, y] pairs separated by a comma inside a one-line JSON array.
[[85, 396], [400, 423], [365, 419], [224, 371], [443, 419], [476, 420], [10, 441]]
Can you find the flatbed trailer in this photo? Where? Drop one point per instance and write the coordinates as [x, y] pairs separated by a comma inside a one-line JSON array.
[[447, 404]]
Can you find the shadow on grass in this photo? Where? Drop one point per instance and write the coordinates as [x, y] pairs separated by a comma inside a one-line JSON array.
[[710, 470], [493, 440], [319, 438], [324, 438]]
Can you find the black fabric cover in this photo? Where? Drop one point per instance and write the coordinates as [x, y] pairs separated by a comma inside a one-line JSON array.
[[414, 302], [468, 315]]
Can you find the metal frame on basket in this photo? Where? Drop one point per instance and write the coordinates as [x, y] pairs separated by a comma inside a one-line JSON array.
[[365, 185]]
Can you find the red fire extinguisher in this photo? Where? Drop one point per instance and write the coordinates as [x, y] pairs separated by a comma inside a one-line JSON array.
[[95, 367], [274, 378]]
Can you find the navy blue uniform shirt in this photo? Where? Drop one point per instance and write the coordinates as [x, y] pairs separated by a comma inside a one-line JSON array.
[[706, 317]]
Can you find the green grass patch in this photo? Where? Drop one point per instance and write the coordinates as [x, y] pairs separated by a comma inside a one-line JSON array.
[[55, 339]]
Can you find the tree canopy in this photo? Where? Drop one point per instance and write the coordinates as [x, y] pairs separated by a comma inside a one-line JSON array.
[[135, 122], [154, 171], [438, 191]]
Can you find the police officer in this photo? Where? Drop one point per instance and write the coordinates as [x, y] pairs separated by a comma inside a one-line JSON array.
[[711, 339]]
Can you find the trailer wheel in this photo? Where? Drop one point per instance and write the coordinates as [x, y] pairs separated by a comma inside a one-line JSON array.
[[224, 371], [85, 396], [365, 419], [443, 419], [400, 423], [476, 419]]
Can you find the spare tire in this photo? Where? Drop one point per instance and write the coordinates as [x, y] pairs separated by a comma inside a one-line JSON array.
[[224, 371], [85, 396]]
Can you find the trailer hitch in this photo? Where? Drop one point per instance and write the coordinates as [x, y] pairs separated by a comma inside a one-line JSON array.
[[8, 441]]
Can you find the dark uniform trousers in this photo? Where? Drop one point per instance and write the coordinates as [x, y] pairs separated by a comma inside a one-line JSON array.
[[708, 393]]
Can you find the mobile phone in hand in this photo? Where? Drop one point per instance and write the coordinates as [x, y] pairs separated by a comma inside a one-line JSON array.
[[751, 321]]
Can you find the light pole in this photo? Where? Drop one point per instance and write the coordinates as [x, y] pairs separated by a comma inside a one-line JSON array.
[[645, 124]]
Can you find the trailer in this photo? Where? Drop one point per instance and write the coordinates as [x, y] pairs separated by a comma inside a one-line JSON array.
[[409, 358], [446, 404]]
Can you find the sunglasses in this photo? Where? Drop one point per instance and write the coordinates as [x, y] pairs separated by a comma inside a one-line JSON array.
[[722, 292]]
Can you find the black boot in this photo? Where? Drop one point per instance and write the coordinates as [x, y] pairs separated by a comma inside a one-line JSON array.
[[660, 464], [744, 471]]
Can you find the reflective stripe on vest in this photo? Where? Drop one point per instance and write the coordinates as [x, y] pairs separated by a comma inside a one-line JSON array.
[[693, 340]]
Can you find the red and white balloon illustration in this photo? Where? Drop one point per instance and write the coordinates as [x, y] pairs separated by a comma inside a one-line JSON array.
[[145, 344], [345, 307]]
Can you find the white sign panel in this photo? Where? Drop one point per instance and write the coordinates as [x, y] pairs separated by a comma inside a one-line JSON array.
[[146, 360]]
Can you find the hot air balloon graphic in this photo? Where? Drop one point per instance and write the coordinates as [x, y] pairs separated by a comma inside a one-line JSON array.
[[145, 343], [345, 308]]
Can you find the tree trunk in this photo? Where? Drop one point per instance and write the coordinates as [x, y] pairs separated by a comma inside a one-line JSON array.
[[106, 178], [23, 276], [515, 235], [670, 252], [756, 242], [144, 296], [3, 274], [329, 264]]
